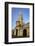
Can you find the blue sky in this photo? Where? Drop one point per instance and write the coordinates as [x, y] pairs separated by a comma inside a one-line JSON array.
[[15, 14]]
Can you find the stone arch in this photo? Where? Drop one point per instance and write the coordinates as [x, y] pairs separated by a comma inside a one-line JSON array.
[[24, 33], [16, 32]]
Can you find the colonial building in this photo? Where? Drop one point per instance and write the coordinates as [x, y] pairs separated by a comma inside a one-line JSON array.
[[21, 29]]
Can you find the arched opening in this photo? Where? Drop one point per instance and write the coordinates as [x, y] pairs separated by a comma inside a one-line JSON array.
[[12, 33], [16, 32], [24, 33]]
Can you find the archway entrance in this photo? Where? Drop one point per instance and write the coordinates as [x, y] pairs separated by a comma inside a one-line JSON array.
[[24, 33], [16, 32]]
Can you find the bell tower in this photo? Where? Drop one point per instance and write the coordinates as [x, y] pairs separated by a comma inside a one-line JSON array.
[[20, 18], [19, 24]]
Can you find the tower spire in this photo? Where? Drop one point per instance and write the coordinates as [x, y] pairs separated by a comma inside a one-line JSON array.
[[20, 18]]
